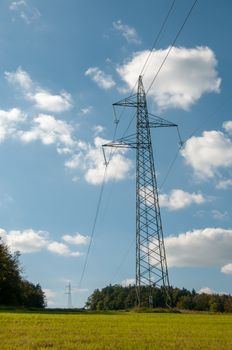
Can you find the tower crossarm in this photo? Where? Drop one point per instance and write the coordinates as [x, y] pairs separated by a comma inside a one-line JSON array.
[[158, 122], [130, 101], [124, 142]]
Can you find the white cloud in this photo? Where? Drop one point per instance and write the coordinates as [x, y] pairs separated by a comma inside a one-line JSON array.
[[42, 99], [227, 269], [206, 290], [90, 160], [76, 239], [26, 241], [128, 282], [103, 80], [52, 103], [224, 184], [61, 249], [202, 247], [50, 130], [9, 121], [128, 32], [179, 199], [186, 75], [29, 241], [228, 126], [118, 168], [75, 162], [50, 295], [86, 110], [208, 153], [219, 215], [27, 13], [21, 78], [58, 248], [98, 129]]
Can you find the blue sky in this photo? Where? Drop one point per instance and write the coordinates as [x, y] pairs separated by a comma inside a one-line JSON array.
[[63, 64]]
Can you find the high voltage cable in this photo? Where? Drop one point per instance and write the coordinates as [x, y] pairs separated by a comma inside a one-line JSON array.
[[142, 72], [157, 38], [169, 50], [94, 226], [96, 216], [228, 98], [173, 43]]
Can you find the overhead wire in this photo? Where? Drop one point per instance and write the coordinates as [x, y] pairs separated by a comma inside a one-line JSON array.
[[142, 72], [172, 45], [94, 226], [157, 38], [99, 202], [182, 142]]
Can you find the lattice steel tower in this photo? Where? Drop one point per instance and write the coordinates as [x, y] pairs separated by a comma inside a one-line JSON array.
[[151, 263]]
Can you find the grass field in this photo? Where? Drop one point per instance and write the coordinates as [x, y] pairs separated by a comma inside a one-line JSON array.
[[115, 331]]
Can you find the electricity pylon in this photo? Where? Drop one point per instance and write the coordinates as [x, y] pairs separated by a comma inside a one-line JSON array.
[[151, 263], [68, 291]]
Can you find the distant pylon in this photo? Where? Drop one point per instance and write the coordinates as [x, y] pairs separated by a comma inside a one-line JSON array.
[[151, 263], [68, 292]]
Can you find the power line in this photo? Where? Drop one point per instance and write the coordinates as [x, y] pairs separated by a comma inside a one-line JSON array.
[[142, 72], [97, 212], [94, 225], [173, 43], [210, 116], [157, 38]]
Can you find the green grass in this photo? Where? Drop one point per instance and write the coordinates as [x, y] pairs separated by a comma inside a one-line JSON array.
[[115, 331]]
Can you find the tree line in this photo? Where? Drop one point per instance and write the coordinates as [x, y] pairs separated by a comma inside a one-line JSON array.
[[14, 289], [117, 297]]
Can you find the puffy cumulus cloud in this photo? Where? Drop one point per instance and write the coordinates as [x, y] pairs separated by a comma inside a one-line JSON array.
[[224, 184], [26, 12], [128, 282], [98, 129], [86, 110], [9, 121], [30, 241], [26, 241], [227, 269], [186, 75], [179, 199], [49, 130], [103, 80], [42, 98], [76, 239], [203, 247], [208, 153], [61, 249], [21, 78], [118, 167], [228, 126], [50, 295], [206, 290], [90, 160], [128, 32]]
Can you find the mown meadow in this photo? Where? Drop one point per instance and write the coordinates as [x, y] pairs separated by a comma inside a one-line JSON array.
[[114, 331]]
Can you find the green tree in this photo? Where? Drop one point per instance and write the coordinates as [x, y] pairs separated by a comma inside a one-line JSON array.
[[14, 290]]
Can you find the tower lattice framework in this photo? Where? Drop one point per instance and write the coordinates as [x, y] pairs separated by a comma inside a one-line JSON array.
[[151, 262]]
